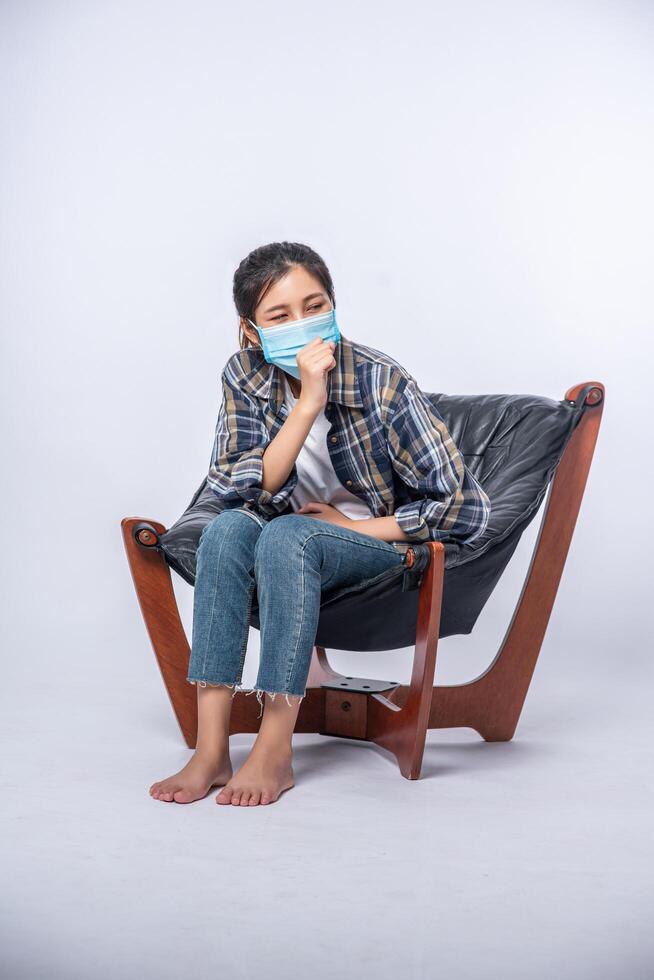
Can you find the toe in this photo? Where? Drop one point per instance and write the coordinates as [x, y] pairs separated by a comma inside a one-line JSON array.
[[184, 796], [245, 797], [164, 790], [254, 798], [266, 798], [225, 795], [236, 797]]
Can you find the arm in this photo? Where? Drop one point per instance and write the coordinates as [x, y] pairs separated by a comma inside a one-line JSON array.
[[282, 451], [450, 503], [383, 528], [246, 465]]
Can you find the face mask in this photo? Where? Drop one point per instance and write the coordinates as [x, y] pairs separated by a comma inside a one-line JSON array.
[[281, 344]]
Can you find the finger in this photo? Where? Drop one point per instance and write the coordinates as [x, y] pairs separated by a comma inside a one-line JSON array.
[[316, 367], [316, 353], [318, 345], [320, 359], [316, 342]]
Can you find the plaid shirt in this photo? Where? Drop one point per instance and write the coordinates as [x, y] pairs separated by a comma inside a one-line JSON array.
[[387, 443]]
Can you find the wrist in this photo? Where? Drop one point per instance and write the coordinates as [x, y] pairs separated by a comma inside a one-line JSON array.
[[382, 528], [307, 409]]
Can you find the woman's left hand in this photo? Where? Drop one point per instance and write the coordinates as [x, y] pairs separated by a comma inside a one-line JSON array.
[[325, 512]]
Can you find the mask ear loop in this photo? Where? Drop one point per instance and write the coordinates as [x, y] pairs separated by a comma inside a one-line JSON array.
[[257, 330]]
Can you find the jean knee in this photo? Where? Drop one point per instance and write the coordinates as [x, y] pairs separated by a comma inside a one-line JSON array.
[[281, 540], [227, 526]]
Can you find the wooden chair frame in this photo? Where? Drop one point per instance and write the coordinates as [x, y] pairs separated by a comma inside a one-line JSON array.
[[396, 716]]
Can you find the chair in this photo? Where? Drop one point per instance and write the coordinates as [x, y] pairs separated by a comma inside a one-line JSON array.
[[517, 446]]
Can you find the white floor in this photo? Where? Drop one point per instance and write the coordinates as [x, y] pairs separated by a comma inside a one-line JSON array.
[[530, 859]]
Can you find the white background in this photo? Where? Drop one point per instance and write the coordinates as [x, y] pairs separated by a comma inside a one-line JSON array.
[[478, 178]]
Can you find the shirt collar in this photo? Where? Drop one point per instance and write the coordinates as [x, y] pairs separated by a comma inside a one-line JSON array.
[[265, 380]]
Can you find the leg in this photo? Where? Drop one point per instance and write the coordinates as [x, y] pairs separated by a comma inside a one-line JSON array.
[[297, 557], [224, 584], [221, 610]]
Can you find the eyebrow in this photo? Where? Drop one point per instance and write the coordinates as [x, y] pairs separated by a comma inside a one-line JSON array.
[[284, 306]]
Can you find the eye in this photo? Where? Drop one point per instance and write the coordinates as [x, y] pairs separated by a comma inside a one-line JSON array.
[[280, 316]]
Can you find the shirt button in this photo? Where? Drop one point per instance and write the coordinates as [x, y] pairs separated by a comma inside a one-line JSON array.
[[382, 511], [333, 438], [348, 483]]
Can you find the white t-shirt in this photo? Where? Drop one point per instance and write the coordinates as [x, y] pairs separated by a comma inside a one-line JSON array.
[[317, 479]]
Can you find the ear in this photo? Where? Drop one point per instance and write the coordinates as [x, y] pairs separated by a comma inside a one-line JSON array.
[[250, 332]]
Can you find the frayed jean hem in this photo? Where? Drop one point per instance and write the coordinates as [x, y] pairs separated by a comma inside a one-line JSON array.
[[255, 690], [271, 694], [203, 683]]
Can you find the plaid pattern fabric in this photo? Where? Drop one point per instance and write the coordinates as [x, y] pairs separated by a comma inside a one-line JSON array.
[[387, 443]]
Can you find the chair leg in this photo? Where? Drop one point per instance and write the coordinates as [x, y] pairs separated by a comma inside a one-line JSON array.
[[320, 669], [154, 590], [376, 717], [403, 730]]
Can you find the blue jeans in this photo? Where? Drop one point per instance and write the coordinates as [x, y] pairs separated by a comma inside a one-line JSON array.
[[291, 559]]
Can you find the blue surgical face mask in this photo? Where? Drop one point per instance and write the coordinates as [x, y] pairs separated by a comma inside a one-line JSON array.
[[281, 344]]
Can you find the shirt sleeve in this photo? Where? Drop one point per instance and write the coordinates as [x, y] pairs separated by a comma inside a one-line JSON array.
[[236, 468], [452, 504]]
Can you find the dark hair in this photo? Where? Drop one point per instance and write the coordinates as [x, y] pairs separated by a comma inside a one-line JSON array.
[[265, 266]]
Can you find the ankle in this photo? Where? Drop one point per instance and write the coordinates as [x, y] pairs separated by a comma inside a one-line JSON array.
[[212, 751], [273, 743]]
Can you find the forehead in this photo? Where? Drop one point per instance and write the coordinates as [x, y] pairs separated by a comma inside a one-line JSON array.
[[294, 286]]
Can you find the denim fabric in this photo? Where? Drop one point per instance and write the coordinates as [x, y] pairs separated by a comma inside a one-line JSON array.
[[292, 559]]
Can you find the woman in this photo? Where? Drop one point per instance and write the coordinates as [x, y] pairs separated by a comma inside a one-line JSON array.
[[328, 460]]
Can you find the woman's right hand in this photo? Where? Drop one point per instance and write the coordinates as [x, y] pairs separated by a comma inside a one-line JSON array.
[[315, 360]]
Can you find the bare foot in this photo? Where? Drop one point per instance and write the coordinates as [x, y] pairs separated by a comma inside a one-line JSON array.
[[193, 782], [264, 775]]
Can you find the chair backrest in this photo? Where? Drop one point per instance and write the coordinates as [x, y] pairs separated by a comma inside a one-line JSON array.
[[511, 443]]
